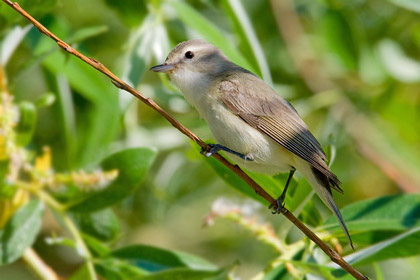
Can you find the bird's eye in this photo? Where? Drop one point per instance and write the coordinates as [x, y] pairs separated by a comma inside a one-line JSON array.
[[189, 54]]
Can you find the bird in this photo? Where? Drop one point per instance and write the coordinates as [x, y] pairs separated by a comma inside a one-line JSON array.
[[257, 128]]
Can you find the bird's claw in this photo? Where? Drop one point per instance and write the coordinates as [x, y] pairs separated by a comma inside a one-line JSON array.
[[214, 148], [278, 206], [248, 158]]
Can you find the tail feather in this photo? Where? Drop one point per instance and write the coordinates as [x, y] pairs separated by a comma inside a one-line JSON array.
[[323, 189], [328, 200], [322, 185]]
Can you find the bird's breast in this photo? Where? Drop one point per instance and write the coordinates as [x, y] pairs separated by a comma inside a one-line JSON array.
[[231, 131]]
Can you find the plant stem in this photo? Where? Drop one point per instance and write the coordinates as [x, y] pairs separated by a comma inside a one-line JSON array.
[[80, 244], [38, 266]]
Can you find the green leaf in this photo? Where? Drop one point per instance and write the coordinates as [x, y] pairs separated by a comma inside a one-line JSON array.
[[149, 39], [27, 123], [102, 224], [279, 272], [10, 42], [298, 200], [397, 63], [378, 272], [403, 245], [331, 150], [390, 213], [65, 144], [310, 214], [209, 31], [302, 191], [244, 29], [186, 273], [20, 231], [87, 32], [234, 180], [63, 241], [394, 212], [132, 165], [154, 259], [272, 186], [97, 247], [114, 269], [45, 100]]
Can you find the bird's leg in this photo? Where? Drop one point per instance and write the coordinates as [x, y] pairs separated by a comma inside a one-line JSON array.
[[214, 148], [280, 200]]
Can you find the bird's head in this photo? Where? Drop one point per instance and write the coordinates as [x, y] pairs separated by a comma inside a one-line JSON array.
[[192, 60]]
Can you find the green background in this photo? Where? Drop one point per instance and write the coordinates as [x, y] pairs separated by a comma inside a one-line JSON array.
[[351, 69]]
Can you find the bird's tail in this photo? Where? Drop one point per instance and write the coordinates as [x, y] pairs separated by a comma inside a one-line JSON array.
[[322, 186]]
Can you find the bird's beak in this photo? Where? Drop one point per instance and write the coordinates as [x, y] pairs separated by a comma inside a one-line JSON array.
[[162, 68]]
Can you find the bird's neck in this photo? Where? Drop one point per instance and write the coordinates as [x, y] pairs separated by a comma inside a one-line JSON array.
[[195, 87]]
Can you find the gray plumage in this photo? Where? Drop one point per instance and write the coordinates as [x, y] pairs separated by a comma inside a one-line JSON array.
[[247, 116], [275, 117]]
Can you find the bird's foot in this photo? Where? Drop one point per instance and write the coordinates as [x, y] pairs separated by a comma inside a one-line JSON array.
[[280, 201], [278, 206], [214, 148]]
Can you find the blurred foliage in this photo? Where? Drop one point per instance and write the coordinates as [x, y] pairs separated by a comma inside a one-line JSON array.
[[99, 185]]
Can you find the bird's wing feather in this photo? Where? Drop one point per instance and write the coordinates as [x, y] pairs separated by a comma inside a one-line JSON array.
[[274, 116]]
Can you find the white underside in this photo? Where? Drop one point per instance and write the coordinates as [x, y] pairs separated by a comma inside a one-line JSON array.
[[231, 131]]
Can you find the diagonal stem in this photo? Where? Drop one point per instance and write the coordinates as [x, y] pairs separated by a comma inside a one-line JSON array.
[[335, 257], [38, 266]]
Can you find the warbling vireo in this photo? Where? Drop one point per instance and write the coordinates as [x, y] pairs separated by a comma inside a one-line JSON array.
[[257, 128]]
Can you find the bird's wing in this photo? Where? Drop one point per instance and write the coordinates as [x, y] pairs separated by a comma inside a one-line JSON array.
[[274, 116]]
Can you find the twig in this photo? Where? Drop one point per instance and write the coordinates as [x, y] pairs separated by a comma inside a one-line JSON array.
[[82, 248], [335, 257], [37, 265]]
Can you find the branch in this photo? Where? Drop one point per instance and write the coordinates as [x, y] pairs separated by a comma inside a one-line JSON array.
[[335, 257], [38, 266]]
